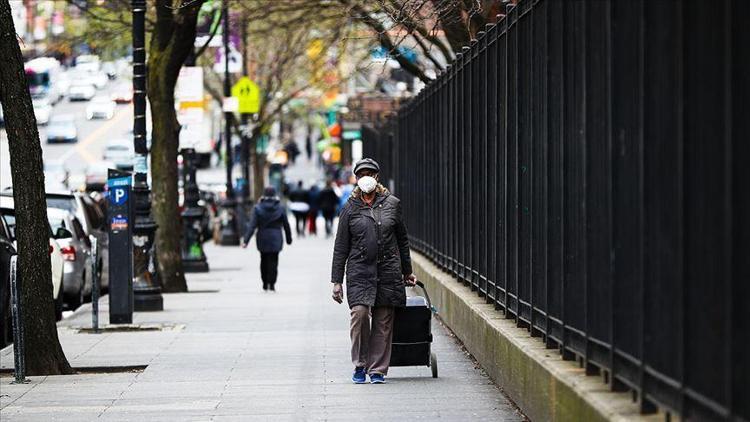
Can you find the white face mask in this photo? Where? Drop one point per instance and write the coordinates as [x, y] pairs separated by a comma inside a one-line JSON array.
[[367, 183]]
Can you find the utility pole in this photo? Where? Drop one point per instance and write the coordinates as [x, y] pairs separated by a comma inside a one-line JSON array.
[[245, 159], [229, 235], [146, 289]]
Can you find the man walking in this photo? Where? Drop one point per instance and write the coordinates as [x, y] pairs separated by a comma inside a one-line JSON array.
[[269, 218], [299, 205], [329, 202], [372, 244]]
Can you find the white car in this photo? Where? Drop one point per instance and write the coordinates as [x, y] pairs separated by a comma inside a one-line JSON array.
[[100, 107], [121, 152], [42, 110], [98, 78], [81, 91], [8, 216]]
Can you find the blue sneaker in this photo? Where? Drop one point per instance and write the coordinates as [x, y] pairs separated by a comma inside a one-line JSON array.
[[377, 379], [359, 376]]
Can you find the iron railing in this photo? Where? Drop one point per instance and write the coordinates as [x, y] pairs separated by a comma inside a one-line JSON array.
[[584, 167]]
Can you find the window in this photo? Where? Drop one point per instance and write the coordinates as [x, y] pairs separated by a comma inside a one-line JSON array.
[[10, 222]]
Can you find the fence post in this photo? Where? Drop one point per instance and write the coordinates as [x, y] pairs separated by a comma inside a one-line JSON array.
[[94, 284], [19, 359]]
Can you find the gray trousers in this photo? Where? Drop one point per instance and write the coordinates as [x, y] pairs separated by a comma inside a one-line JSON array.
[[371, 341]]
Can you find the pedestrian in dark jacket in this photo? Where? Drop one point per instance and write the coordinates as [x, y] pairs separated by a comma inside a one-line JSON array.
[[269, 218], [313, 196], [373, 246], [329, 202], [299, 205]]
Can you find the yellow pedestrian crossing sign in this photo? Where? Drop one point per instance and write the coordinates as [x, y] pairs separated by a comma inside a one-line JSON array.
[[247, 93]]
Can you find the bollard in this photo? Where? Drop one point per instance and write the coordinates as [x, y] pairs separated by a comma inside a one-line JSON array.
[[19, 358], [94, 284]]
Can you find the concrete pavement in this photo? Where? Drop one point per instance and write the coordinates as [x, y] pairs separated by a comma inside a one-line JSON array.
[[229, 351]]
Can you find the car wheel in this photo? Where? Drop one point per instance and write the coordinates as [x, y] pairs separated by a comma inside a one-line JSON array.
[[59, 303]]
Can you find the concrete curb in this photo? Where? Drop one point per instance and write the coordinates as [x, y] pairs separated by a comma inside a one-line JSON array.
[[545, 387]]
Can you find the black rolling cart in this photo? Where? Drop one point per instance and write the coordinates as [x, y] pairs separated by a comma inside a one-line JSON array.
[[412, 333]]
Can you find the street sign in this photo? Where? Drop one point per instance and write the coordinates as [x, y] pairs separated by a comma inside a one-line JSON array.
[[352, 134], [248, 95], [120, 233]]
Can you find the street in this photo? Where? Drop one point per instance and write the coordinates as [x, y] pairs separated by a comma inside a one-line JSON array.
[[93, 136]]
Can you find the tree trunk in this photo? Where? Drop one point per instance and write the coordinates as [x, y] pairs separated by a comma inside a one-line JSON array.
[[173, 40], [44, 355], [164, 146]]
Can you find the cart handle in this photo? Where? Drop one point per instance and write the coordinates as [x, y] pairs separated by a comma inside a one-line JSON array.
[[426, 295]]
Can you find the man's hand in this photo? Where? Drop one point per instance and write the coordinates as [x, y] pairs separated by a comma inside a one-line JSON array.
[[410, 279], [244, 245], [338, 292]]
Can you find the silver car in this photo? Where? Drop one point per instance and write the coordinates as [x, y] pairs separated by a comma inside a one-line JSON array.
[[91, 215], [76, 252]]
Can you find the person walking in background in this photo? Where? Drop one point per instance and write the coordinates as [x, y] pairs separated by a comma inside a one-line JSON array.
[[372, 244], [313, 197], [269, 218], [309, 142], [346, 191], [329, 202], [298, 204]]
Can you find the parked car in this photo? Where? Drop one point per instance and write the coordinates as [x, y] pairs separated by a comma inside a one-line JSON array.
[[100, 107], [76, 252], [8, 215], [123, 94], [121, 152], [42, 110], [81, 90], [62, 128], [92, 217], [6, 251]]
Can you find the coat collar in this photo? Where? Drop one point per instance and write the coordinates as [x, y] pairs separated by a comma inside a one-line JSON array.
[[381, 192]]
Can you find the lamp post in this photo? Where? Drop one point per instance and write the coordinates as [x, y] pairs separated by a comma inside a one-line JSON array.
[[229, 235], [146, 290], [193, 257]]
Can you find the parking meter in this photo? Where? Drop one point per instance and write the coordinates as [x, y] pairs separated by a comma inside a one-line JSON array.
[[120, 233]]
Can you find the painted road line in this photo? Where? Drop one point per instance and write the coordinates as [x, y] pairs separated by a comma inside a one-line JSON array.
[[80, 147]]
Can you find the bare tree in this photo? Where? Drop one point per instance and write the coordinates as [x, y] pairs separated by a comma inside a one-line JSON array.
[[44, 355], [278, 40], [434, 29]]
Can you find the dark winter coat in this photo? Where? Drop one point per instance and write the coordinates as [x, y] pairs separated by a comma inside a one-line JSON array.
[[298, 195], [329, 201], [269, 217], [372, 244]]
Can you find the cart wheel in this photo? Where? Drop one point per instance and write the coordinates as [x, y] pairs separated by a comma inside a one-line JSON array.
[[433, 365]]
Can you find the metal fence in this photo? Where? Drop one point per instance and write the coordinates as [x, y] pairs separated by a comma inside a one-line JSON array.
[[585, 166]]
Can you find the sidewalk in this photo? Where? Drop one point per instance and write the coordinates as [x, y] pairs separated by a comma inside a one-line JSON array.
[[229, 351]]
